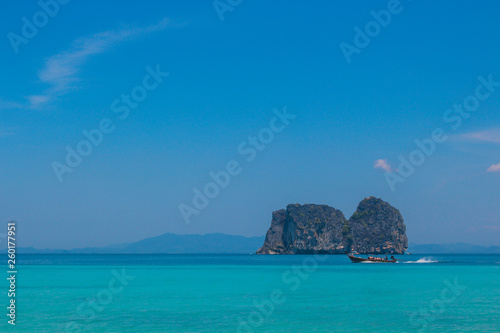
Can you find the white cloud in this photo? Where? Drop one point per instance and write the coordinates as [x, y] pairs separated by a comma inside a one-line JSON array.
[[60, 71], [494, 168], [383, 164], [491, 136]]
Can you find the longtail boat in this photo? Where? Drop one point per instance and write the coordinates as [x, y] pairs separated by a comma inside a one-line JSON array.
[[355, 259]]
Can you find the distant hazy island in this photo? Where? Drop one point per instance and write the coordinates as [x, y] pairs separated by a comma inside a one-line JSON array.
[[169, 243], [376, 227]]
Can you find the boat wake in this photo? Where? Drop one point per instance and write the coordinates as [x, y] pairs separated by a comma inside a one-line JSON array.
[[425, 260]]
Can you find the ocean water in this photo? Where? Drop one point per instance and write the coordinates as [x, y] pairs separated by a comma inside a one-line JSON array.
[[250, 293]]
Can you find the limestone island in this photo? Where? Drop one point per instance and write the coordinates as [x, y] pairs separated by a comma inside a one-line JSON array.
[[376, 228]]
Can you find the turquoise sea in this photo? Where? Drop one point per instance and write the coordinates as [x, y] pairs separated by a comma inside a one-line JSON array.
[[251, 293]]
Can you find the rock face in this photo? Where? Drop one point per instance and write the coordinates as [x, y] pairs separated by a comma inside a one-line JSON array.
[[305, 229], [376, 227]]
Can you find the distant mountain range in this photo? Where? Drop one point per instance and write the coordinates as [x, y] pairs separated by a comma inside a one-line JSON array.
[[170, 244], [218, 243], [455, 248]]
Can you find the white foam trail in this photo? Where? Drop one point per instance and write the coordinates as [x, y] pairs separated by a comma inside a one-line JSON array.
[[425, 260]]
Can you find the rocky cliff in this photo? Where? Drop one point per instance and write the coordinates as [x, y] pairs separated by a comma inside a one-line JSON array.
[[375, 227]]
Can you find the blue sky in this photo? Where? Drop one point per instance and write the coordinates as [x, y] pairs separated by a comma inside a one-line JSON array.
[[225, 77]]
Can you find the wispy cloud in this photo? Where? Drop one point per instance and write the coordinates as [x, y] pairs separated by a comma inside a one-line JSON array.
[[494, 168], [5, 132], [61, 71], [10, 105], [486, 136], [383, 164], [490, 228], [491, 136]]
